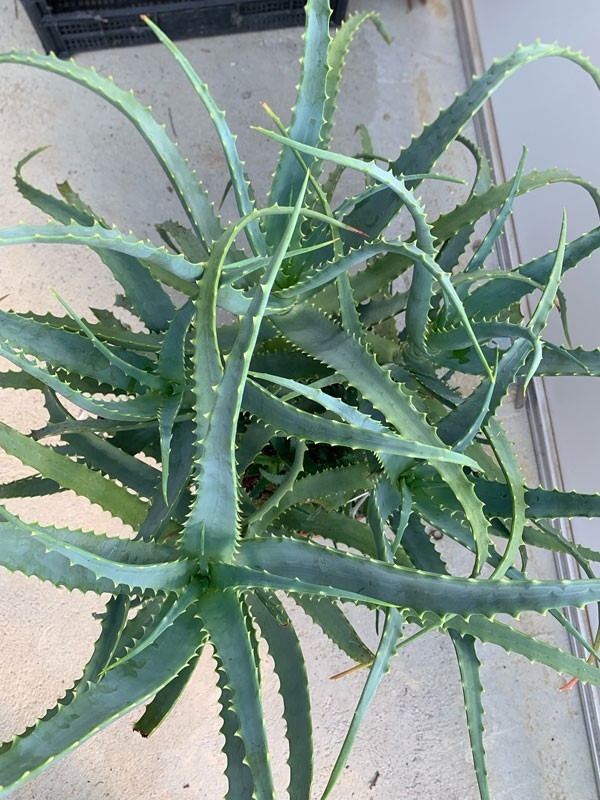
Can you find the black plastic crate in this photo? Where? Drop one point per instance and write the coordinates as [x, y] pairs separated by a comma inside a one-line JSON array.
[[70, 26]]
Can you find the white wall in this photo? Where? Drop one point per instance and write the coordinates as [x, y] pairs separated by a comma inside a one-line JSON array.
[[554, 108]]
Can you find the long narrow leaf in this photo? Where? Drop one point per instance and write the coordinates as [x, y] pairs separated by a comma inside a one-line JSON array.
[[95, 705]]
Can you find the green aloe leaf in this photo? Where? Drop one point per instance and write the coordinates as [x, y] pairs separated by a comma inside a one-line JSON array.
[[336, 626], [185, 183], [376, 211], [540, 503], [34, 486], [162, 703], [172, 607], [304, 567], [366, 434], [392, 630], [464, 646], [311, 519], [89, 562], [99, 453], [55, 344], [212, 526], [512, 360], [240, 184], [72, 475], [224, 620], [379, 512], [288, 663], [315, 334], [98, 237], [307, 115], [240, 782], [501, 196], [488, 300], [129, 410], [509, 465], [96, 704], [145, 296], [513, 641]]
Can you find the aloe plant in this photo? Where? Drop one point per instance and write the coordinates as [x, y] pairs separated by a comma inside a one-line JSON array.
[[300, 453]]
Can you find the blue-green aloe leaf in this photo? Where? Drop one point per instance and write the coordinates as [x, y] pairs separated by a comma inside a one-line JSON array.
[[490, 299], [185, 183], [336, 626], [240, 184], [224, 620], [308, 113], [300, 566], [212, 525], [392, 631], [57, 345], [89, 562], [94, 705], [145, 296], [162, 703], [317, 335], [514, 641], [363, 435], [540, 503], [383, 502], [98, 237], [129, 410], [512, 360], [376, 211], [510, 467], [98, 452], [72, 475], [469, 666], [288, 663]]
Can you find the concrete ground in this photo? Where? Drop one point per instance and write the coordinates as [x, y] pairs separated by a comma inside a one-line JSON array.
[[413, 744]]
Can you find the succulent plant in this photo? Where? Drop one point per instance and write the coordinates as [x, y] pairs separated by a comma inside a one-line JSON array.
[[302, 450]]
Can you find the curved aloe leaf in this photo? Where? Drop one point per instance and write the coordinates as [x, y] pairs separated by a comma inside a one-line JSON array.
[[71, 475], [513, 641], [285, 417], [376, 212], [307, 114], [510, 467], [469, 666], [212, 526], [488, 300], [379, 512], [54, 343], [239, 182], [145, 296], [182, 178], [98, 237], [336, 626], [93, 705], [315, 334]]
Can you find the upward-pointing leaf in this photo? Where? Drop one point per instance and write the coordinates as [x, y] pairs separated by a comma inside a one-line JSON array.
[[308, 114], [212, 526]]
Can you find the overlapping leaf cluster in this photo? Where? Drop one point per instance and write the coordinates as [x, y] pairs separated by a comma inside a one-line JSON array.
[[305, 449]]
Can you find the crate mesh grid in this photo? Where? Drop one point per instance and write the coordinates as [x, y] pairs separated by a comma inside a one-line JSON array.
[[71, 26]]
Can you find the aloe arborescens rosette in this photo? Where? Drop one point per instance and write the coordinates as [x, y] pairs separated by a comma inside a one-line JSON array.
[[234, 451]]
